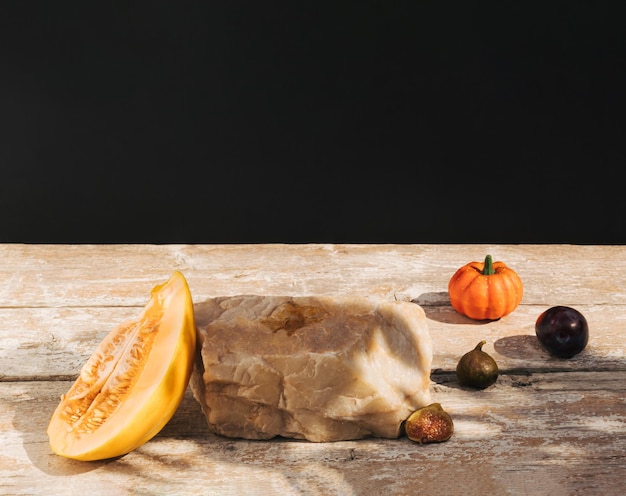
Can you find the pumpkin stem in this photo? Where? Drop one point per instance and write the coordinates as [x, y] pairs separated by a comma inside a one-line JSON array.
[[488, 268]]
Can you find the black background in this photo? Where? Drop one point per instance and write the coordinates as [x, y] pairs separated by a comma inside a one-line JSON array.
[[371, 121]]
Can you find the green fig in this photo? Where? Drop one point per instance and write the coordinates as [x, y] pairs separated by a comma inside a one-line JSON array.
[[429, 424], [477, 368]]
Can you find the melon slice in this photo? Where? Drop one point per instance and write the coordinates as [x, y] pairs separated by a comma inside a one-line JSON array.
[[134, 381]]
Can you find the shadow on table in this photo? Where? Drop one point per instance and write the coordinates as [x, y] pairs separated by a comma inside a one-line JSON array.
[[31, 421], [437, 307]]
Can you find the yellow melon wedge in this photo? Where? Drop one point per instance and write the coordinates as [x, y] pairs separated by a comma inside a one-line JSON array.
[[133, 383]]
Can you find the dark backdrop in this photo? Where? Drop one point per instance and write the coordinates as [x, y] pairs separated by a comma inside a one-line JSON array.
[[369, 121]]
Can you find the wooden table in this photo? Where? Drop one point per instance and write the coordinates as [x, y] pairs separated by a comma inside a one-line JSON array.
[[548, 426]]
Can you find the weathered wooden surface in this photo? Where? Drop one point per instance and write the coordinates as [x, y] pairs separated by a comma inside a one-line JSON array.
[[548, 426]]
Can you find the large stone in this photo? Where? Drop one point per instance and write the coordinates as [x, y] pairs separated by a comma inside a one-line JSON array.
[[315, 368]]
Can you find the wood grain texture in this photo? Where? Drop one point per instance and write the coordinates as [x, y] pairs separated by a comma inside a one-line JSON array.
[[548, 426]]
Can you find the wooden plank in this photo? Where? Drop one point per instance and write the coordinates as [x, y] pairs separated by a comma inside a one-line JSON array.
[[121, 275], [54, 342], [555, 433]]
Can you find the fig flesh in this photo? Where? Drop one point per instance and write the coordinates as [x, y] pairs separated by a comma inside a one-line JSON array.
[[429, 424]]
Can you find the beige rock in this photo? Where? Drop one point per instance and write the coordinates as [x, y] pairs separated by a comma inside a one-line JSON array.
[[315, 368]]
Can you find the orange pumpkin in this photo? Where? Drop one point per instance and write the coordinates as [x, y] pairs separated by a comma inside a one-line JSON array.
[[485, 290]]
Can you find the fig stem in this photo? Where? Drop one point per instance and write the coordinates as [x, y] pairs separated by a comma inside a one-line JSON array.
[[480, 345], [488, 268]]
